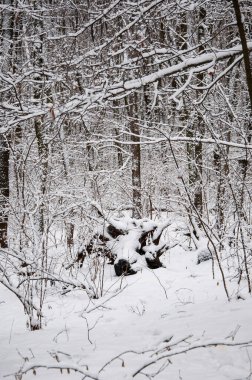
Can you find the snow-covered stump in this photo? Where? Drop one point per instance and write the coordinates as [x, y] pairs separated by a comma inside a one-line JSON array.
[[130, 244]]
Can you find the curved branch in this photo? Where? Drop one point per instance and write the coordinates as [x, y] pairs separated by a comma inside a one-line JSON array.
[[197, 346]]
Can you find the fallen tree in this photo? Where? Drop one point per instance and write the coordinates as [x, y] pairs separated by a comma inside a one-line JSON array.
[[128, 243]]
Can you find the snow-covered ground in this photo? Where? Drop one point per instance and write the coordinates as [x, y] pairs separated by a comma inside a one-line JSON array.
[[137, 313]]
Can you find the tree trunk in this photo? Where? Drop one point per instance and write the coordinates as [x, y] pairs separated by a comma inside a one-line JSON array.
[[220, 217], [4, 190], [195, 150], [6, 52], [244, 49], [136, 158]]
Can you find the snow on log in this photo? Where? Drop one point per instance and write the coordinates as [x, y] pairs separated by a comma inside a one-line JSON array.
[[130, 244]]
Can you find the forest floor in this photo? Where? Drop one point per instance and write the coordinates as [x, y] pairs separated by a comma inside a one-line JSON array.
[[137, 314]]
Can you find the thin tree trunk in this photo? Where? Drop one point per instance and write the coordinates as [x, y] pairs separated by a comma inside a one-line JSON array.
[[244, 48], [220, 218], [6, 52], [198, 195], [136, 158], [117, 135], [4, 190]]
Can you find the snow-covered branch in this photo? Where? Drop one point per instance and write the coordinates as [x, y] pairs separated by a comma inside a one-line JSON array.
[[60, 366], [168, 351], [95, 96]]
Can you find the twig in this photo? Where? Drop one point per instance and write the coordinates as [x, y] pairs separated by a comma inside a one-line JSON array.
[[107, 299], [121, 354], [55, 339], [91, 328], [162, 286], [187, 349], [11, 330], [61, 366]]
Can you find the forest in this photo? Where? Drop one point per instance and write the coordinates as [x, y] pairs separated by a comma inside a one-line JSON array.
[[125, 189]]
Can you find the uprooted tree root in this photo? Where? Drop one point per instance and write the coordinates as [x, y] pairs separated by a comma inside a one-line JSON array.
[[128, 243]]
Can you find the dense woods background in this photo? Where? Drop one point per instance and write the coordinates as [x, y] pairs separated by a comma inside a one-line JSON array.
[[137, 106]]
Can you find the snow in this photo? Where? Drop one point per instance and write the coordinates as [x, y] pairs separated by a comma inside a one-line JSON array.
[[140, 313], [98, 95], [127, 245]]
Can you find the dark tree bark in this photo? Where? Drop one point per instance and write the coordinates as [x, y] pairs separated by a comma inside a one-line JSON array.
[[198, 195], [6, 64], [244, 49], [221, 172], [136, 169], [4, 190], [117, 135], [136, 157], [43, 155], [196, 126]]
